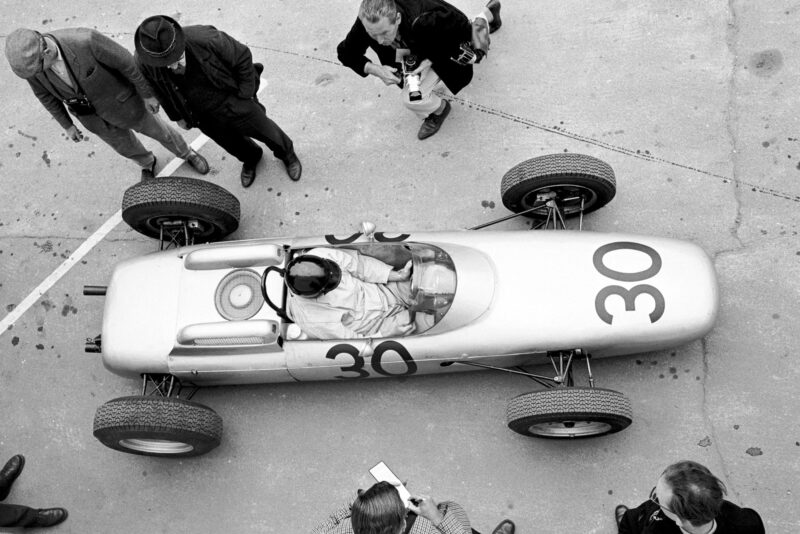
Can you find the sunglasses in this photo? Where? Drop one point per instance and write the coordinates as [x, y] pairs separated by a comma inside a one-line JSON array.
[[654, 499]]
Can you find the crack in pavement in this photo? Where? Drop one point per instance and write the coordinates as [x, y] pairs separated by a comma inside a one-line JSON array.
[[731, 119]]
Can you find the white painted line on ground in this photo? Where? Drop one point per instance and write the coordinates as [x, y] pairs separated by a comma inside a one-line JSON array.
[[60, 271], [9, 320]]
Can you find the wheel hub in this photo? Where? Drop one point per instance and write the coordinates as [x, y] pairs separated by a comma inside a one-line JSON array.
[[569, 198], [156, 446], [179, 232], [569, 429]]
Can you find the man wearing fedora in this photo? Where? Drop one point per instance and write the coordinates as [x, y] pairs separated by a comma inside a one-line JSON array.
[[16, 515], [96, 79], [205, 78]]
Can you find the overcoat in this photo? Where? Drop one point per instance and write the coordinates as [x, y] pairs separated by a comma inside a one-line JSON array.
[[104, 70]]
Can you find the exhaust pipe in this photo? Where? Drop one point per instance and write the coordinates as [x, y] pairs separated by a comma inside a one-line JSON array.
[[95, 290], [92, 345]]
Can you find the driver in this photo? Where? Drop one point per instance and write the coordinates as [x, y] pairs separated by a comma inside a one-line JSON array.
[[341, 294]]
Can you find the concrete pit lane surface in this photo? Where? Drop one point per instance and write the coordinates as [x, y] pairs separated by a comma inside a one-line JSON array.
[[692, 104]]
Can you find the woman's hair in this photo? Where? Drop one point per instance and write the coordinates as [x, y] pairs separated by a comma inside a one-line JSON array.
[[696, 493], [373, 10], [378, 510]]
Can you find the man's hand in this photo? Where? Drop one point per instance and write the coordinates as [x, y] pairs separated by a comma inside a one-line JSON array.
[[151, 103], [401, 275], [480, 35], [182, 124], [427, 508], [74, 133], [424, 65], [387, 74]]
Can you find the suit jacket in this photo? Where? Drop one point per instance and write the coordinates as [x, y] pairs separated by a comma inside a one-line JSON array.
[[648, 519], [225, 62], [432, 29], [106, 73]]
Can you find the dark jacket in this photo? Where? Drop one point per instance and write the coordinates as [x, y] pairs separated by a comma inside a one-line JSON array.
[[432, 29], [226, 63], [105, 71], [647, 518]]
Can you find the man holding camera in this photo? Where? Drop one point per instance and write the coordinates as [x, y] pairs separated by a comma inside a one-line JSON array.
[[688, 499], [97, 80], [419, 43]]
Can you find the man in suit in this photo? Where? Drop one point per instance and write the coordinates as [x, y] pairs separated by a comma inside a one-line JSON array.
[[688, 499], [205, 78], [97, 80], [442, 41], [16, 515]]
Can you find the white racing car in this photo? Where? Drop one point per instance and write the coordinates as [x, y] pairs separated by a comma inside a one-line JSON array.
[[214, 314]]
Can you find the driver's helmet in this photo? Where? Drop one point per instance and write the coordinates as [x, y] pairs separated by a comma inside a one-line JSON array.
[[312, 276]]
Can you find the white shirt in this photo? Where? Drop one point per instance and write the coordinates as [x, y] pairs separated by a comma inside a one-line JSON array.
[[59, 66], [364, 304]]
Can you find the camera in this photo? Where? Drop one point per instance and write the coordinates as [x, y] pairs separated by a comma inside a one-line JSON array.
[[79, 105], [468, 54], [412, 80]]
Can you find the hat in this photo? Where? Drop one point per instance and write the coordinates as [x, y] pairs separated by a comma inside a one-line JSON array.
[[24, 52], [159, 41]]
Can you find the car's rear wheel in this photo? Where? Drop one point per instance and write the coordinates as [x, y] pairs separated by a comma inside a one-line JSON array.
[[153, 206], [157, 426], [575, 182], [569, 412]]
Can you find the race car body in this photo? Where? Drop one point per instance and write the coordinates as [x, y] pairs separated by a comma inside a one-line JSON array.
[[217, 314], [510, 295]]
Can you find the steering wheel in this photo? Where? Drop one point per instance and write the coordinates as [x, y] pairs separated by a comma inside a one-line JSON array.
[[280, 311]]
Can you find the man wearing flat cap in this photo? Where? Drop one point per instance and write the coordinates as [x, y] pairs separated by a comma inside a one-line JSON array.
[[205, 78], [96, 79]]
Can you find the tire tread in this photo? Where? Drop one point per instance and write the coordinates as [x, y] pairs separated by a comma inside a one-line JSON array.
[[569, 402], [183, 194], [551, 169], [157, 414]]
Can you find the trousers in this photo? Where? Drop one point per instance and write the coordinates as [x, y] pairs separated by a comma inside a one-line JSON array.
[[430, 101], [238, 121], [16, 515], [125, 142]]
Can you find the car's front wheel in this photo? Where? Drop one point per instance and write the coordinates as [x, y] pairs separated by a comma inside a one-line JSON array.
[[575, 183], [157, 426], [179, 205], [569, 412]]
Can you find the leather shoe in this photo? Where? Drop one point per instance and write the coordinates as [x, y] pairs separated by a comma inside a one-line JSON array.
[[249, 171], [506, 526], [494, 9], [619, 511], [148, 173], [10, 473], [47, 517], [248, 175], [197, 162], [293, 166], [433, 122]]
